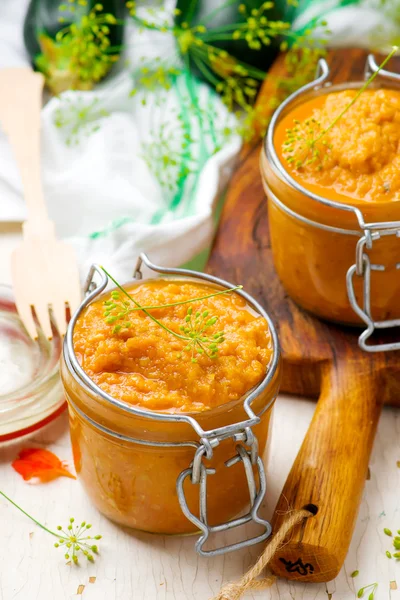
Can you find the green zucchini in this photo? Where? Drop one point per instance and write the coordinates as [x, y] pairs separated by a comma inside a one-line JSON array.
[[74, 43]]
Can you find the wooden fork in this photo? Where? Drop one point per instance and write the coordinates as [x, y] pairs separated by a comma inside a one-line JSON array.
[[44, 270]]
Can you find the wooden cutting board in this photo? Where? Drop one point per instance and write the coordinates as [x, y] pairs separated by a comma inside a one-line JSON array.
[[320, 360]]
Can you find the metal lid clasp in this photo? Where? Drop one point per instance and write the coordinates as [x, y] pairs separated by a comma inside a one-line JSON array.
[[362, 268], [198, 474]]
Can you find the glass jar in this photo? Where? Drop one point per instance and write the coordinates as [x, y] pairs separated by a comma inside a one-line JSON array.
[[337, 260], [171, 473], [31, 393]]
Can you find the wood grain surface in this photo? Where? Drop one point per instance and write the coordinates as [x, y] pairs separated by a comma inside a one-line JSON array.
[[320, 360]]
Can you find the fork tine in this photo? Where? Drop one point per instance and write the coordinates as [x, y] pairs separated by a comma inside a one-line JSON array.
[[59, 313], [43, 316], [25, 313]]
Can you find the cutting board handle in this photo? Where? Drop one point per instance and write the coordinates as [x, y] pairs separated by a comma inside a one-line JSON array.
[[329, 473]]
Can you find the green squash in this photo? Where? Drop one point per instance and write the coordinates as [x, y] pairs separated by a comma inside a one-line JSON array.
[[74, 44]]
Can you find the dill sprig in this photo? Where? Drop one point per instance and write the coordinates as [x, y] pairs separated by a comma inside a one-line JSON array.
[[257, 30], [166, 153], [88, 45], [395, 542], [372, 587], [300, 65], [307, 152], [74, 539], [196, 50], [149, 77], [81, 53], [194, 331], [78, 118], [236, 81], [303, 145]]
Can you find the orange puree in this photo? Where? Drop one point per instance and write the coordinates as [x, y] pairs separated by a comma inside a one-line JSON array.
[[360, 159], [358, 164], [148, 366], [129, 463]]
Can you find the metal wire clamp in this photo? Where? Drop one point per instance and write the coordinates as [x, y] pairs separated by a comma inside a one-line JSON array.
[[198, 474], [241, 433], [362, 268]]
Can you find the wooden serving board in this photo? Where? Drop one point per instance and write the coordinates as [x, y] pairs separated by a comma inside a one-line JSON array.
[[320, 360]]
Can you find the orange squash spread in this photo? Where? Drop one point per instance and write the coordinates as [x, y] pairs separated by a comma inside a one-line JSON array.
[[357, 163], [129, 464], [147, 366], [359, 157]]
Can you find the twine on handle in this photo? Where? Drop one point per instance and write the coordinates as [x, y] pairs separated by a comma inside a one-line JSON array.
[[249, 581]]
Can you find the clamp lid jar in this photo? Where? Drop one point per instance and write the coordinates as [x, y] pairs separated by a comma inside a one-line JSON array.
[[335, 239], [169, 470]]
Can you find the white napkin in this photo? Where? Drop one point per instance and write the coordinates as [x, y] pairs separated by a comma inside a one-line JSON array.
[[362, 23]]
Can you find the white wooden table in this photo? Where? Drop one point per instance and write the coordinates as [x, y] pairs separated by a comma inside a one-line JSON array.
[[138, 566]]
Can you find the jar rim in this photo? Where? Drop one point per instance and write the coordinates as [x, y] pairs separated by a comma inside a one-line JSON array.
[[319, 86], [74, 368]]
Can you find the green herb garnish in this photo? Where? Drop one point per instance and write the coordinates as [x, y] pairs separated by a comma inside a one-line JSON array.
[[197, 51], [194, 331], [395, 542], [302, 145], [362, 591], [74, 539], [198, 340], [198, 48], [87, 43], [78, 117], [81, 53], [354, 574]]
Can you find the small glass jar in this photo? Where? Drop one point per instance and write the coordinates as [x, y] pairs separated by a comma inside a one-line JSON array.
[[171, 473], [31, 393], [337, 260]]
